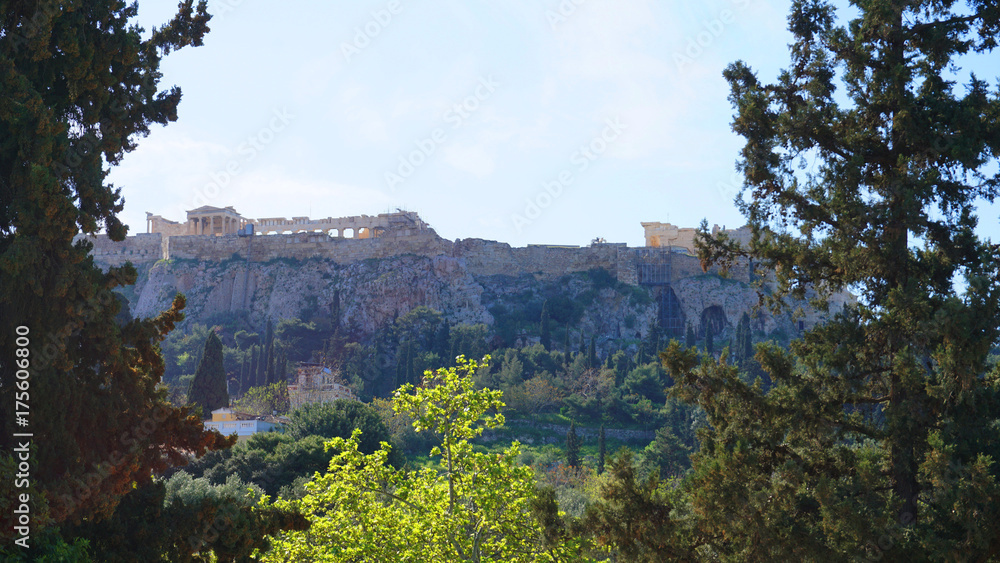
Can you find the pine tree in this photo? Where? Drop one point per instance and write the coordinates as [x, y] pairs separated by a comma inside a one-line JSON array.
[[601, 451], [79, 86], [572, 447], [208, 388], [546, 334], [879, 438]]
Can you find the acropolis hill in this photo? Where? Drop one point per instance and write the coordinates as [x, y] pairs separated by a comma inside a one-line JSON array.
[[381, 266], [213, 234]]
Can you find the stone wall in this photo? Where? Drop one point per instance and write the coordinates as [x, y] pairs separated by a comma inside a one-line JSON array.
[[480, 257], [138, 249], [489, 258]]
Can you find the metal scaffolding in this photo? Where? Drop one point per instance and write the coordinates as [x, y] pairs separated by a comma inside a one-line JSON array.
[[654, 269]]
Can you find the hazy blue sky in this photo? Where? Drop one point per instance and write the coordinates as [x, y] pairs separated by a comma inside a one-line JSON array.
[[524, 121]]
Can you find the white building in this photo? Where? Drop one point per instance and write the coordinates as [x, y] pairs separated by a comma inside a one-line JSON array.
[[228, 423]]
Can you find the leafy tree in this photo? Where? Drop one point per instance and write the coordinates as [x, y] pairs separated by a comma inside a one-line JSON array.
[[299, 338], [572, 446], [270, 460], [78, 86], [420, 326], [208, 388], [264, 400], [339, 419], [469, 340], [476, 507], [244, 339], [879, 437], [187, 520], [533, 395], [646, 381]]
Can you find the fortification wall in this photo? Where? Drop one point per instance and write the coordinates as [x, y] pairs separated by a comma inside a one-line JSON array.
[[303, 246], [138, 249], [490, 258], [480, 257]]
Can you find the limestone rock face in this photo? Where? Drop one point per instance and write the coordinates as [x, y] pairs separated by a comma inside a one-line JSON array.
[[703, 297], [372, 292]]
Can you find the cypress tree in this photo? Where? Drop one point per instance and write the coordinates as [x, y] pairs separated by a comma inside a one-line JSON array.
[[601, 451], [743, 342], [621, 367], [546, 335], [244, 368], [690, 339], [442, 340], [271, 369], [79, 88], [709, 341], [572, 447], [566, 348], [254, 361], [208, 388], [592, 353]]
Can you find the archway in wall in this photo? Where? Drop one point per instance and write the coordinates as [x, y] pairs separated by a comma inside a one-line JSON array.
[[713, 319], [347, 232]]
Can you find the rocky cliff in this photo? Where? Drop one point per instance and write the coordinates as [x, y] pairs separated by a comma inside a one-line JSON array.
[[608, 290]]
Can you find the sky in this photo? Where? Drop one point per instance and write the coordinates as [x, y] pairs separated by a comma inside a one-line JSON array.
[[521, 121]]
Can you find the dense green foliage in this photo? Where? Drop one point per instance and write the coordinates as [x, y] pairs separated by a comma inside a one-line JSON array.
[[879, 437], [279, 463], [78, 86], [187, 520], [476, 507]]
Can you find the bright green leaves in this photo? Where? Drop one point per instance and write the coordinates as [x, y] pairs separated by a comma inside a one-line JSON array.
[[476, 507]]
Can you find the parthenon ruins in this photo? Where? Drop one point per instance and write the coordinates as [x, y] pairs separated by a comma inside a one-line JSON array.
[[207, 220]]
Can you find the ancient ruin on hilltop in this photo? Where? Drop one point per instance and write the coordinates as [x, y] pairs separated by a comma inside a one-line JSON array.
[[384, 265]]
